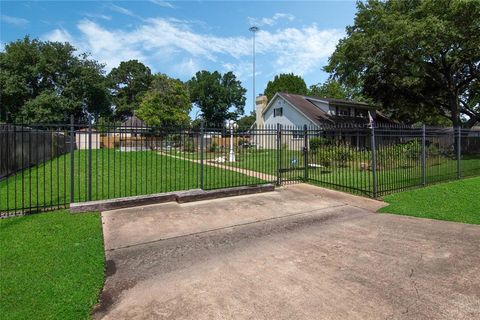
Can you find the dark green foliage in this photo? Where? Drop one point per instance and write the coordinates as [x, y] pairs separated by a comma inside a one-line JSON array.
[[128, 82], [219, 97], [246, 122], [286, 82], [334, 89], [402, 155], [188, 145], [213, 147], [47, 78], [196, 123], [47, 107], [419, 59], [166, 103], [317, 142], [331, 155]]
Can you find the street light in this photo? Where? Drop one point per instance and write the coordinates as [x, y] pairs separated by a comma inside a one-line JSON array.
[[253, 29], [232, 125]]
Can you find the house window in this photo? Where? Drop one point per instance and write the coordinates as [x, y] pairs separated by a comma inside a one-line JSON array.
[[343, 111], [278, 112], [362, 113]]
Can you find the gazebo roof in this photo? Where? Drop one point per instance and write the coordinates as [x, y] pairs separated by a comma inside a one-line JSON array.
[[133, 121]]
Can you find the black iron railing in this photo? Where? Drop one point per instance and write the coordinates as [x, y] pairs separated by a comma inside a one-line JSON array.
[[48, 166]]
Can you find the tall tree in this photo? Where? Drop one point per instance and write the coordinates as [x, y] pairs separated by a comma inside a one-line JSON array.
[[219, 97], [417, 58], [246, 121], [47, 107], [166, 103], [128, 82], [286, 82], [336, 90], [52, 73]]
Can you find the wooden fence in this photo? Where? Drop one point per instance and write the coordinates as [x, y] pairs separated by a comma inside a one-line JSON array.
[[23, 147]]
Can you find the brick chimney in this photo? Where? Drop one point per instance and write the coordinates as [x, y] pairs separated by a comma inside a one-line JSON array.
[[261, 103]]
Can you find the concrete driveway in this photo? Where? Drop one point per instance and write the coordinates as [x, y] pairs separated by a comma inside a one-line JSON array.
[[300, 252]]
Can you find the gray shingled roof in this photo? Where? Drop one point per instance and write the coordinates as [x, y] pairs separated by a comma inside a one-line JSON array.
[[133, 121], [317, 115]]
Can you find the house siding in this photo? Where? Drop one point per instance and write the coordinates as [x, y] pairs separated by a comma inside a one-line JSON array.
[[290, 119]]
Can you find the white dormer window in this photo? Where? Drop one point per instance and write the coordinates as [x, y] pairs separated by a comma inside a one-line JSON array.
[[278, 112], [343, 111], [361, 113]]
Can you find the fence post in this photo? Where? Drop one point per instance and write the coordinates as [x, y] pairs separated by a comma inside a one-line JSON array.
[[72, 160], [279, 153], [202, 146], [374, 161], [459, 151], [89, 159], [305, 151], [424, 156]]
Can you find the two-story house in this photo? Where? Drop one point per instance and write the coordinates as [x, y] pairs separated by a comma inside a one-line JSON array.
[[293, 111]]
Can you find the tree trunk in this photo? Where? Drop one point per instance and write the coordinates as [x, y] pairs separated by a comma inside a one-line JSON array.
[[454, 107]]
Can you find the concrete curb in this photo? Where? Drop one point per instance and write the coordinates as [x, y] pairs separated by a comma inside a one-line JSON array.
[[198, 195], [180, 197]]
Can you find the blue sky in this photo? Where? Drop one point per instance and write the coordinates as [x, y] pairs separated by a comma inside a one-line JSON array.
[[181, 37]]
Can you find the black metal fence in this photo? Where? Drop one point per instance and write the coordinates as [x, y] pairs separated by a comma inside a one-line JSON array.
[[111, 161], [18, 152]]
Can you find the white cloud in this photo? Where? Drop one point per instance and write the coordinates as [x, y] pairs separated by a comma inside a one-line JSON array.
[[242, 70], [109, 47], [162, 3], [167, 41], [164, 33], [186, 68], [98, 16], [59, 35], [19, 22], [122, 10], [271, 20], [299, 50]]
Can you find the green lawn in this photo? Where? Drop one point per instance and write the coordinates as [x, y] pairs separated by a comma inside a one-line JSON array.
[[391, 175], [452, 201], [51, 265], [393, 179], [119, 174], [114, 174]]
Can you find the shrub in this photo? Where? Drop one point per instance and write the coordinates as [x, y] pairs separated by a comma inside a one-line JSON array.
[[317, 142], [433, 150], [412, 149], [323, 159], [188, 145], [213, 147], [244, 143], [342, 156], [334, 156]]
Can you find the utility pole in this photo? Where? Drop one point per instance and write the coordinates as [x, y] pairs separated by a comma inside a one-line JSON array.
[[253, 29]]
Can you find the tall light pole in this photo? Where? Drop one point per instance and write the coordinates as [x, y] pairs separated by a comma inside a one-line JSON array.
[[254, 29]]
